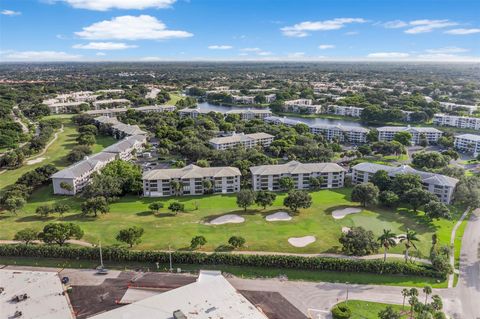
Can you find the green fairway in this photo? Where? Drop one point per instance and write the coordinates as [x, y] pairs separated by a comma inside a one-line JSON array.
[[369, 310], [164, 229], [174, 98]]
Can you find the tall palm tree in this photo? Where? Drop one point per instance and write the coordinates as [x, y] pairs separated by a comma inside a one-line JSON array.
[[405, 294], [427, 290], [413, 300], [387, 240], [409, 239]]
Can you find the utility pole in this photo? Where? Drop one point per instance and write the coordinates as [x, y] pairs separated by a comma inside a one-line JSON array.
[[346, 300], [170, 258]]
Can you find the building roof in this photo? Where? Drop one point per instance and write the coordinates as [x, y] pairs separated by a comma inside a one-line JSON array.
[[125, 144], [107, 120], [340, 127], [111, 101], [294, 167], [210, 297], [84, 166], [429, 178], [238, 138], [254, 111], [45, 298], [414, 129], [191, 171], [283, 120], [471, 137], [128, 129]]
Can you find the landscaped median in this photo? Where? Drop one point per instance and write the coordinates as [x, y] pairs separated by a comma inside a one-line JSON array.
[[195, 258]]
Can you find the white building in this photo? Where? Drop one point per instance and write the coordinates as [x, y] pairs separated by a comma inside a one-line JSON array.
[[78, 175], [468, 143], [302, 106], [440, 185], [65, 107], [128, 147], [352, 111], [158, 182], [194, 113], [267, 177], [457, 121], [387, 133], [244, 140], [115, 111], [119, 130], [210, 297], [243, 99], [44, 292], [453, 106], [110, 103], [251, 114], [269, 98]]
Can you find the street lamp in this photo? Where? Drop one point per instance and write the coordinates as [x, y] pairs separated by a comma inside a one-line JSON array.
[[346, 300]]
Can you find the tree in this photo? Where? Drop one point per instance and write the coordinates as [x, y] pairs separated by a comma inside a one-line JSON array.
[[428, 291], [236, 241], [315, 182], [78, 153], [405, 294], [265, 198], [286, 183], [381, 180], [388, 199], [403, 138], [60, 209], [197, 241], [297, 199], [405, 182], [412, 301], [14, 203], [467, 191], [26, 235], [176, 187], [43, 210], [128, 174], [131, 236], [365, 193], [245, 198], [156, 206], [358, 241], [95, 205], [176, 207], [409, 239], [389, 313], [106, 186], [66, 186], [59, 233], [207, 186], [86, 139], [437, 210], [430, 160], [417, 197], [387, 240]]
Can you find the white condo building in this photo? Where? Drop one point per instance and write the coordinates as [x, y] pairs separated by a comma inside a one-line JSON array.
[[440, 185], [302, 106], [158, 182], [457, 121], [121, 110], [244, 140], [468, 143], [243, 99], [453, 106], [352, 111], [266, 177], [387, 133], [249, 114]]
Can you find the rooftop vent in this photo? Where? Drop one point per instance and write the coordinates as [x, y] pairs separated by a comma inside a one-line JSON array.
[[178, 314]]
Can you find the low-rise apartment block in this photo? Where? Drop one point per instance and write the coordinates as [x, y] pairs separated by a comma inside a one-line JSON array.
[[119, 130], [110, 103], [302, 106], [352, 111], [453, 106], [387, 133], [121, 110], [243, 99], [267, 177], [440, 185], [269, 98], [128, 147], [468, 143], [249, 114], [457, 121], [244, 140], [192, 179]]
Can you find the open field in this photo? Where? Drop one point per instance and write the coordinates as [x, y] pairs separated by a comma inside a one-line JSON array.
[[164, 229], [369, 310]]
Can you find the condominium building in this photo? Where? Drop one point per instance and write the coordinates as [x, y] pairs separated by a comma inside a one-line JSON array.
[[453, 106], [64, 107], [243, 99], [302, 106], [269, 98], [244, 140], [128, 147], [267, 177], [118, 129], [468, 143], [110, 103], [193, 181], [387, 133], [440, 185], [457, 121], [251, 114], [346, 110], [115, 111], [194, 113], [73, 179]]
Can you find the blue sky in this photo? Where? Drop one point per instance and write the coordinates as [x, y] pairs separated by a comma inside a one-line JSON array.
[[271, 30]]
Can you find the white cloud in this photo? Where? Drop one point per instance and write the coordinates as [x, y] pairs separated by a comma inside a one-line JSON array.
[[447, 50], [302, 29], [463, 31], [100, 54], [251, 49], [264, 53], [143, 27], [352, 33], [103, 5], [104, 46], [444, 57], [41, 56], [220, 47], [423, 26], [395, 24], [388, 55], [10, 12], [296, 55], [326, 46]]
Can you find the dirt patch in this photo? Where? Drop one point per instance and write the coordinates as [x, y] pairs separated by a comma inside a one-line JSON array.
[[273, 304], [227, 219], [278, 216], [341, 213], [301, 241], [345, 230], [35, 161]]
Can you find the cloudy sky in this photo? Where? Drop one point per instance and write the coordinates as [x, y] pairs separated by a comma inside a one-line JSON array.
[[271, 30]]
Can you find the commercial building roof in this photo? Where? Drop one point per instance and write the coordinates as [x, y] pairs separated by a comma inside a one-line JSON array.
[[45, 297], [191, 171], [210, 297], [294, 167]]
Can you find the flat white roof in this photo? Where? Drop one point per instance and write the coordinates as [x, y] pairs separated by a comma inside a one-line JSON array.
[[210, 297], [44, 290]]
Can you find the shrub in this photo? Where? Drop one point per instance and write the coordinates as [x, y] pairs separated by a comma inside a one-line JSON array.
[[341, 312]]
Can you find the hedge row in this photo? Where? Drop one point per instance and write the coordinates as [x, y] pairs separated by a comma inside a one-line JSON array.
[[196, 258]]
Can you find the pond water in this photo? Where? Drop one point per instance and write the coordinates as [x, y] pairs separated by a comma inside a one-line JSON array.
[[316, 120]]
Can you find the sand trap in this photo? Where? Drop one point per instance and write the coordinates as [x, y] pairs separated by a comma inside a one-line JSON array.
[[398, 238], [35, 161], [345, 230], [278, 216], [301, 241], [341, 213], [227, 219]]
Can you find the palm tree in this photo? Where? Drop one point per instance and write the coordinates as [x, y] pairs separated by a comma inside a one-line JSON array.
[[413, 300], [387, 240], [176, 186], [409, 239], [427, 290], [405, 294]]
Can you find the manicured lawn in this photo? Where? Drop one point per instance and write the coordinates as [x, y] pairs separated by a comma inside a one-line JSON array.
[[174, 98], [369, 310], [165, 229]]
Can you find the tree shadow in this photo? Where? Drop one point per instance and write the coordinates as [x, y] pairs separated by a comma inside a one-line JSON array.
[[34, 218], [224, 248], [79, 216], [241, 212], [145, 213]]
